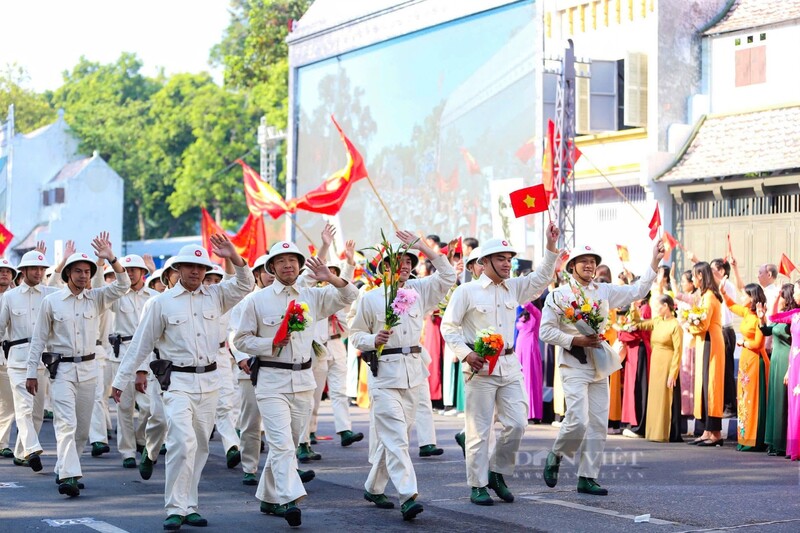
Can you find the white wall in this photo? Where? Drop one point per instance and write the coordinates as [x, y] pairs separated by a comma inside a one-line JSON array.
[[782, 80]]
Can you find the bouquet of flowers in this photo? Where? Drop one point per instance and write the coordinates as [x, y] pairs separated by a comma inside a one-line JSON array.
[[398, 300], [488, 345], [695, 315], [295, 319], [627, 321], [586, 315]]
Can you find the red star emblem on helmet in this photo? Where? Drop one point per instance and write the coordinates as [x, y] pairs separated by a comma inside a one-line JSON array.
[[504, 243], [588, 248], [286, 245], [41, 258], [84, 255], [198, 253], [127, 259]]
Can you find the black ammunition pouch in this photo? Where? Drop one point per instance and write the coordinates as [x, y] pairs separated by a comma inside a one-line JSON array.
[[255, 365], [162, 370], [51, 361]]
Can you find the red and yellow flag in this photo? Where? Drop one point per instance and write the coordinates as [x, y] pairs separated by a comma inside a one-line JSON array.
[[329, 197], [529, 200], [525, 152], [260, 196], [250, 242], [622, 252], [5, 238], [655, 223], [472, 165], [785, 266]]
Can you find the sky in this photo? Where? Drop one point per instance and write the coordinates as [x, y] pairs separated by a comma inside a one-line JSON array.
[[47, 37]]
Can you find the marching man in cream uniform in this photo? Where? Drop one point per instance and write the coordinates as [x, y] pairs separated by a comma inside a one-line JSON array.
[[585, 426], [67, 328], [18, 315], [395, 391], [185, 322], [7, 275], [285, 383], [127, 312], [491, 302]]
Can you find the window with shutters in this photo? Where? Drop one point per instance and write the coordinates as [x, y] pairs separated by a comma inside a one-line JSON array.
[[635, 90], [45, 198], [751, 66], [53, 196], [59, 195]]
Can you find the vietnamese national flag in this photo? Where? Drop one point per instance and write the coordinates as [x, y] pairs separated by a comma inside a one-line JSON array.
[[458, 248], [312, 250], [447, 185], [328, 198], [260, 196], [526, 151], [472, 166], [549, 162], [785, 266], [670, 243], [622, 252], [250, 242], [5, 238], [655, 223], [529, 200]]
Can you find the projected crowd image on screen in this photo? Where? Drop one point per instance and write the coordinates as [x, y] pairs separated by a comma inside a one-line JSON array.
[[439, 117]]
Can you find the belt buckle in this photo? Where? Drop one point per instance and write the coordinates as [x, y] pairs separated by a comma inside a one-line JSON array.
[[297, 366], [200, 370], [405, 350]]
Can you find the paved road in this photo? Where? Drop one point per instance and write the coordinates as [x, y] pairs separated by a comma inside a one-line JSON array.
[[681, 488]]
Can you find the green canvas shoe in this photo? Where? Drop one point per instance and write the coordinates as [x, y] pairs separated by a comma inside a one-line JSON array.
[[498, 485], [429, 450], [348, 437], [21, 462], [250, 480], [233, 457], [292, 514], [146, 466], [58, 482], [130, 462], [312, 438], [480, 496], [380, 500], [173, 522], [551, 466], [195, 520], [410, 509], [69, 487], [587, 485], [306, 475], [273, 509], [35, 462], [99, 448], [305, 454], [461, 439], [7, 453]]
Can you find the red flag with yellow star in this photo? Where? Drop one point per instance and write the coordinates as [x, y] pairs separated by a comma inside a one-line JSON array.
[[5, 238], [622, 252], [472, 165], [329, 197], [260, 196], [529, 200], [786, 267]]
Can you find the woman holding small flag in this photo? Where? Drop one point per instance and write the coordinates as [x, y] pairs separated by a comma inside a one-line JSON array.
[[483, 312]]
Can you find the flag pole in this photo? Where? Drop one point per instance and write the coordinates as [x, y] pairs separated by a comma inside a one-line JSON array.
[[396, 228], [306, 235]]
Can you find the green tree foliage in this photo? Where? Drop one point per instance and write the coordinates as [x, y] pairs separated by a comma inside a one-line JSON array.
[[254, 54], [31, 110]]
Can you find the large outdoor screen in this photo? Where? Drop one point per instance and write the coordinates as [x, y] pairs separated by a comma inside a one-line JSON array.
[[440, 117]]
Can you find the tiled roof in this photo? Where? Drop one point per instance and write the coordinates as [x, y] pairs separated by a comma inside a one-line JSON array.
[[755, 13], [70, 170], [744, 143]]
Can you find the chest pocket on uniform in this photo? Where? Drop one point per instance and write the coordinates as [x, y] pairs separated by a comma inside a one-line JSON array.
[[177, 320], [483, 308], [88, 315], [19, 312], [271, 321], [125, 306]]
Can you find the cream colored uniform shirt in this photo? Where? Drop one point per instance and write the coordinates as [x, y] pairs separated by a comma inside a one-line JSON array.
[[262, 315], [18, 314], [69, 324], [127, 313], [400, 371], [557, 332], [482, 304], [186, 328]]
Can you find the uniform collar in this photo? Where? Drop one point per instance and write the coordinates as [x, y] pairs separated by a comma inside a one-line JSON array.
[[85, 293], [278, 287], [179, 289], [485, 281], [24, 287]]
